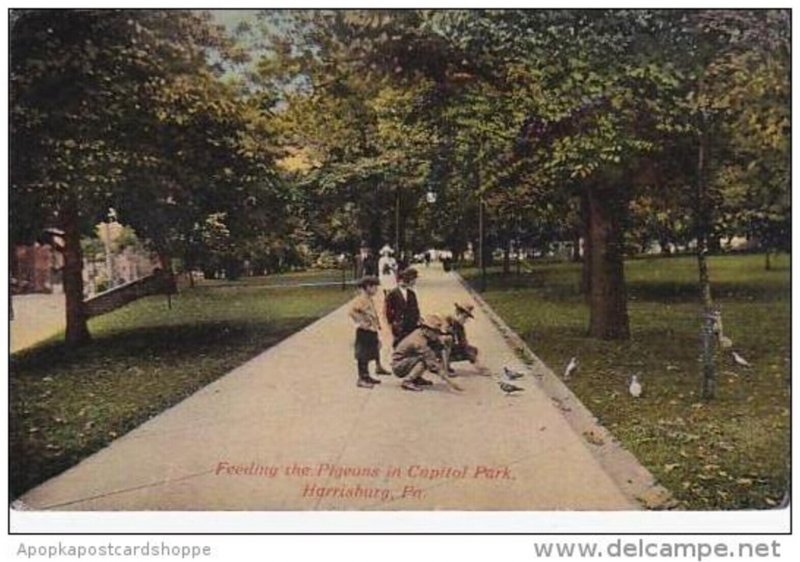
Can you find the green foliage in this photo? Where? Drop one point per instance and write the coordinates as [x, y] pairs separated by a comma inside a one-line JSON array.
[[157, 114], [123, 108]]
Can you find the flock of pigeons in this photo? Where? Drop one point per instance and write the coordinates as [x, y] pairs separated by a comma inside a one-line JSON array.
[[506, 382]]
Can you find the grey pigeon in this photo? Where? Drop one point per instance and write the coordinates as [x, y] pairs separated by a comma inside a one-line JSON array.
[[512, 375], [571, 366], [509, 388]]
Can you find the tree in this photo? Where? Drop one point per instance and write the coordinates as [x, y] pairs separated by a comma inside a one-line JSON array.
[[70, 77], [537, 110], [122, 108], [591, 124], [735, 69]]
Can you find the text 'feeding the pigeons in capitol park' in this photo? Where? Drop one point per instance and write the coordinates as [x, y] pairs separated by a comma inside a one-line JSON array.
[[382, 483]]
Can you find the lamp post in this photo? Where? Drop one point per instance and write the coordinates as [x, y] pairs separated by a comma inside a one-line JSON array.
[[112, 215], [397, 220], [481, 219]]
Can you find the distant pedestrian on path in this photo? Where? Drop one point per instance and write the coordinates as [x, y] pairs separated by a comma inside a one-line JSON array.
[[370, 264], [427, 259], [387, 269], [402, 309], [403, 263], [416, 354], [368, 325], [456, 346]]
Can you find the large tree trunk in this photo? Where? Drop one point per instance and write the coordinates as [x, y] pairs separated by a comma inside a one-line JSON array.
[[703, 225], [714, 243], [607, 299], [664, 243], [586, 277], [77, 328], [702, 268], [576, 245]]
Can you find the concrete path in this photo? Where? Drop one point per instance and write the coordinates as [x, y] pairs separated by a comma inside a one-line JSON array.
[[36, 318], [290, 430]]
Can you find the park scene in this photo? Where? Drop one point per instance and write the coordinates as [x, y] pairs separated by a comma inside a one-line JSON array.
[[399, 259]]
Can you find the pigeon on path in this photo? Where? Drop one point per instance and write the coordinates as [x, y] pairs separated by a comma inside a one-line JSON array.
[[636, 387], [739, 360], [509, 388], [511, 374], [571, 366]]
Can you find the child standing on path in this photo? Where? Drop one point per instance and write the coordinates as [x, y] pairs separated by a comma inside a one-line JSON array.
[[368, 325], [402, 309]]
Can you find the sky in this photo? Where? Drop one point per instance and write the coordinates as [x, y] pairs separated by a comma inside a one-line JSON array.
[[232, 18]]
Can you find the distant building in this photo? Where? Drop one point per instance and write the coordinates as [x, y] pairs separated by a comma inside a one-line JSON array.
[[36, 268]]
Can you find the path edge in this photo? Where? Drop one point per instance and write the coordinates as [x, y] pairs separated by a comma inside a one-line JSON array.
[[627, 472]]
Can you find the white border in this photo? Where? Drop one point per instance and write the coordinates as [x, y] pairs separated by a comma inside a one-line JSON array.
[[774, 521]]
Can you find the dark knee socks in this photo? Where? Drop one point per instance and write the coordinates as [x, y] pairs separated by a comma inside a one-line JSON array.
[[363, 369]]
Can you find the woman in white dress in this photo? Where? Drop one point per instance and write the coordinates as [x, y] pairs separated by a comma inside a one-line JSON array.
[[387, 269]]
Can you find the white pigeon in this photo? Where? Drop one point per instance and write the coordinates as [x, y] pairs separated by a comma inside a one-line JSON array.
[[636, 387], [739, 360], [571, 366], [724, 341]]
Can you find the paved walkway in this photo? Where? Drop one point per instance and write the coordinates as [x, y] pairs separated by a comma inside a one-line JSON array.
[[36, 318], [289, 430]]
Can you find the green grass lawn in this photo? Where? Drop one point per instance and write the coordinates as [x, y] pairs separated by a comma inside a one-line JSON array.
[[144, 358], [729, 453]]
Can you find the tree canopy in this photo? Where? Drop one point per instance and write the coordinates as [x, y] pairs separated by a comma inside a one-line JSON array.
[[321, 130]]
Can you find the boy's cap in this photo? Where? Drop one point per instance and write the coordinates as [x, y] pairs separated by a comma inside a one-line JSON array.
[[409, 274], [434, 322], [466, 308]]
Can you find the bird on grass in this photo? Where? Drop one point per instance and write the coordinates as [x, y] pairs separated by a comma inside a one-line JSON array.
[[636, 387], [739, 360], [571, 366], [509, 388], [724, 341], [511, 374]]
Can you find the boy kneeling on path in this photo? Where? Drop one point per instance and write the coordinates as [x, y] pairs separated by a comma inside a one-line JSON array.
[[368, 345], [415, 354], [456, 347]]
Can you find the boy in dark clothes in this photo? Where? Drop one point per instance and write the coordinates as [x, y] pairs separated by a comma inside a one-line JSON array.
[[402, 310]]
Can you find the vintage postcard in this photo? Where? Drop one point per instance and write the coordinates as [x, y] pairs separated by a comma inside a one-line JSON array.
[[399, 260]]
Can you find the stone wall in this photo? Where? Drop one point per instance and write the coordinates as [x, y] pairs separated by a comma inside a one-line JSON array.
[[156, 284]]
